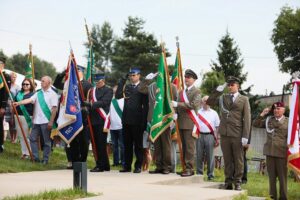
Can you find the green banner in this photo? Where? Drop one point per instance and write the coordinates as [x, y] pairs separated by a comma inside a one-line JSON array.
[[90, 66], [163, 111]]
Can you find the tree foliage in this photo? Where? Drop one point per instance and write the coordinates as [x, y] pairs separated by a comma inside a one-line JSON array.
[[229, 61], [210, 81], [136, 48], [103, 40], [18, 61], [286, 39]]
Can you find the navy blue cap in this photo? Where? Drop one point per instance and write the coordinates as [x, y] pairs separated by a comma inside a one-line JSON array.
[[134, 70], [98, 77], [80, 68]]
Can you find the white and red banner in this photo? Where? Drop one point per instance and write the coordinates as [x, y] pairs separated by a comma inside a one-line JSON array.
[[293, 131]]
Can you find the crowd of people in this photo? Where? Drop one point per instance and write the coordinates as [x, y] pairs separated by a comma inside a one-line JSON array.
[[130, 106]]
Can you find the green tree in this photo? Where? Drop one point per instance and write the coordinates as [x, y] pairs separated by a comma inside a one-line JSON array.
[[210, 81], [286, 39], [103, 40], [229, 61], [18, 61], [136, 48]]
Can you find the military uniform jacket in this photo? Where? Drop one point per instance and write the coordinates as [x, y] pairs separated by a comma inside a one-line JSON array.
[[235, 117], [276, 144], [184, 120], [135, 104], [104, 96], [3, 92]]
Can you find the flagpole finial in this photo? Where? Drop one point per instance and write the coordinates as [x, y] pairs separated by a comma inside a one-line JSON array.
[[30, 47], [177, 41], [71, 50]]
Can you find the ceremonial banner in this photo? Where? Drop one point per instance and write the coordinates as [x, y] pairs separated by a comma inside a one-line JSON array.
[[70, 119], [28, 67], [293, 131], [90, 66], [163, 112]]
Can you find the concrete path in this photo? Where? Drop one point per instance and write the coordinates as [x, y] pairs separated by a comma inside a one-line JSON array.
[[115, 186]]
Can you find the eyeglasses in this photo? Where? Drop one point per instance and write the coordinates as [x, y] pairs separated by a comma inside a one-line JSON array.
[[25, 84]]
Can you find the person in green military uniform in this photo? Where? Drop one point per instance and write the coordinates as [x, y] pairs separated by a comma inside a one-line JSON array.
[[275, 148], [234, 129], [189, 100]]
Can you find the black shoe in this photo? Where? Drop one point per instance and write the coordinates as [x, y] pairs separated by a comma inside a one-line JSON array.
[[187, 173], [137, 170], [97, 169], [125, 170], [244, 181], [165, 171], [37, 160], [210, 178], [69, 167], [238, 187], [228, 186], [156, 171]]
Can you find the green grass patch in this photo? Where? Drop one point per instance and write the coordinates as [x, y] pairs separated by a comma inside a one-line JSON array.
[[66, 194]]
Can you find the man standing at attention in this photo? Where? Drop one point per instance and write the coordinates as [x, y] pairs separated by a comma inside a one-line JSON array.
[[209, 123], [45, 106], [189, 101], [234, 129], [134, 119]]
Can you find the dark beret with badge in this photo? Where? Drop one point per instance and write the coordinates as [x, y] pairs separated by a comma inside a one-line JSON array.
[[98, 77], [190, 73], [278, 104], [232, 79], [134, 70]]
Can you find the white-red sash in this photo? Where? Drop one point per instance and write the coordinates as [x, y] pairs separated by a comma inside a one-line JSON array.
[[100, 111], [107, 123], [192, 114], [208, 125]]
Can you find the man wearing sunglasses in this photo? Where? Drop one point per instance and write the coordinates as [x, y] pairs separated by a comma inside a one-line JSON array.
[[3, 99], [234, 129]]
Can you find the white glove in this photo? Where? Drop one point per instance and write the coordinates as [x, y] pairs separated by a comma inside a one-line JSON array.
[[151, 76], [175, 116], [175, 104], [172, 125], [244, 141], [221, 88]]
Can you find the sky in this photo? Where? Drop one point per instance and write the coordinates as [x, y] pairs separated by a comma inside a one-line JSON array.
[[50, 26]]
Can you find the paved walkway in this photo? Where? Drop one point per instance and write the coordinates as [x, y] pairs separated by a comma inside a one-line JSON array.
[[115, 186]]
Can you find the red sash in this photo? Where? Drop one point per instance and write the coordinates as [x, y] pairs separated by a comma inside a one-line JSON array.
[[100, 111], [208, 125], [192, 114]]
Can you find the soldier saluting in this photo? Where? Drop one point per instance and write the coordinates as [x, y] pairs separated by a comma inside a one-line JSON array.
[[234, 129]]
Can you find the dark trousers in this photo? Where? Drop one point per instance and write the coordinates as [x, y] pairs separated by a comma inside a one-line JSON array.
[[233, 154], [79, 147], [101, 142], [162, 151], [244, 178], [133, 138], [118, 146], [188, 148], [277, 168]]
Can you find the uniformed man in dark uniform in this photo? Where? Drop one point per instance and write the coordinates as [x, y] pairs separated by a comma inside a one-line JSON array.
[[99, 99], [275, 148], [3, 100], [234, 129], [78, 150], [134, 119]]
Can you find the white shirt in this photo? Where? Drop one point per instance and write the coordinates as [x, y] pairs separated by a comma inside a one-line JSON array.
[[115, 120], [51, 100], [211, 117], [234, 96]]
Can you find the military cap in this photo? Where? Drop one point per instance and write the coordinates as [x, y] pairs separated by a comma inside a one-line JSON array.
[[190, 73], [278, 104], [80, 68], [2, 59], [232, 79], [98, 77], [134, 70]]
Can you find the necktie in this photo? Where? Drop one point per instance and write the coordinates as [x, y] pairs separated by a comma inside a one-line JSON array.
[[231, 98]]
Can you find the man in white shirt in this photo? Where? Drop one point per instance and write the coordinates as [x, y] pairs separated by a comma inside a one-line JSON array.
[[45, 106], [209, 123]]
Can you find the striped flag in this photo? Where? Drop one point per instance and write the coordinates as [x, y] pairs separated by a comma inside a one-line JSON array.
[[293, 131]]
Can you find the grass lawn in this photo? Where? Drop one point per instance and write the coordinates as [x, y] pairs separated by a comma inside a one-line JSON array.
[[66, 194]]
